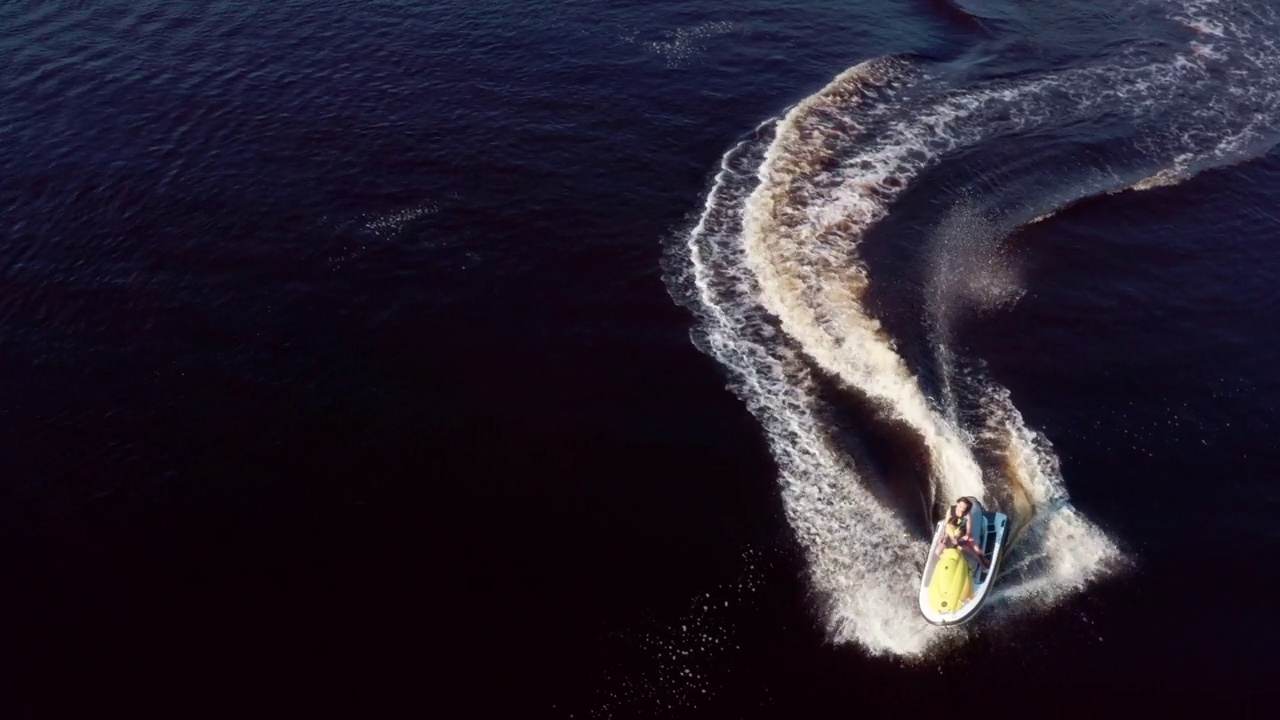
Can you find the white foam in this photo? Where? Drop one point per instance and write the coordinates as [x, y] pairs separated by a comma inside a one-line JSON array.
[[807, 281], [819, 497]]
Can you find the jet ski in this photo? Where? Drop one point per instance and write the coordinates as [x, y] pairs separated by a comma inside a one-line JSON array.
[[954, 586]]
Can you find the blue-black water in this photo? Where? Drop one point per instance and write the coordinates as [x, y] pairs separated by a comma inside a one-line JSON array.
[[607, 359]]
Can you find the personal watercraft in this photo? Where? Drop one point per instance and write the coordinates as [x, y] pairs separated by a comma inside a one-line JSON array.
[[954, 586]]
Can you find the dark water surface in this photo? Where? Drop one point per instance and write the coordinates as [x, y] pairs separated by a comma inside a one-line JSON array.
[[340, 369]]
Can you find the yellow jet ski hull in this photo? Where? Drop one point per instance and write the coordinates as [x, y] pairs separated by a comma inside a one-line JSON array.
[[952, 583], [954, 586]]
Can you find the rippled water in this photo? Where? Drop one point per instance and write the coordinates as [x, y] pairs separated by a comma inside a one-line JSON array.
[[342, 369]]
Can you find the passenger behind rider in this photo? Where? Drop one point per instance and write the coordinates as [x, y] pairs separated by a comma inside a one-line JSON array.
[[959, 532]]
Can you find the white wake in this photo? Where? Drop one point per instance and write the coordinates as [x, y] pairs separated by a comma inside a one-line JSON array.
[[780, 286]]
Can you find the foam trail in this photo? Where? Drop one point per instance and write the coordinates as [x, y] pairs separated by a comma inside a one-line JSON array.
[[815, 476], [800, 231], [778, 280], [807, 282]]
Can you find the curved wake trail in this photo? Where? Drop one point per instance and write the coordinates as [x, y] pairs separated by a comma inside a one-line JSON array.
[[773, 379], [780, 285]]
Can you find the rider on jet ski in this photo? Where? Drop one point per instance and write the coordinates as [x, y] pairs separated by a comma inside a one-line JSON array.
[[959, 533]]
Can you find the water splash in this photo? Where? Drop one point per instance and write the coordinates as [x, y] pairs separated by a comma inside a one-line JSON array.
[[682, 45]]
